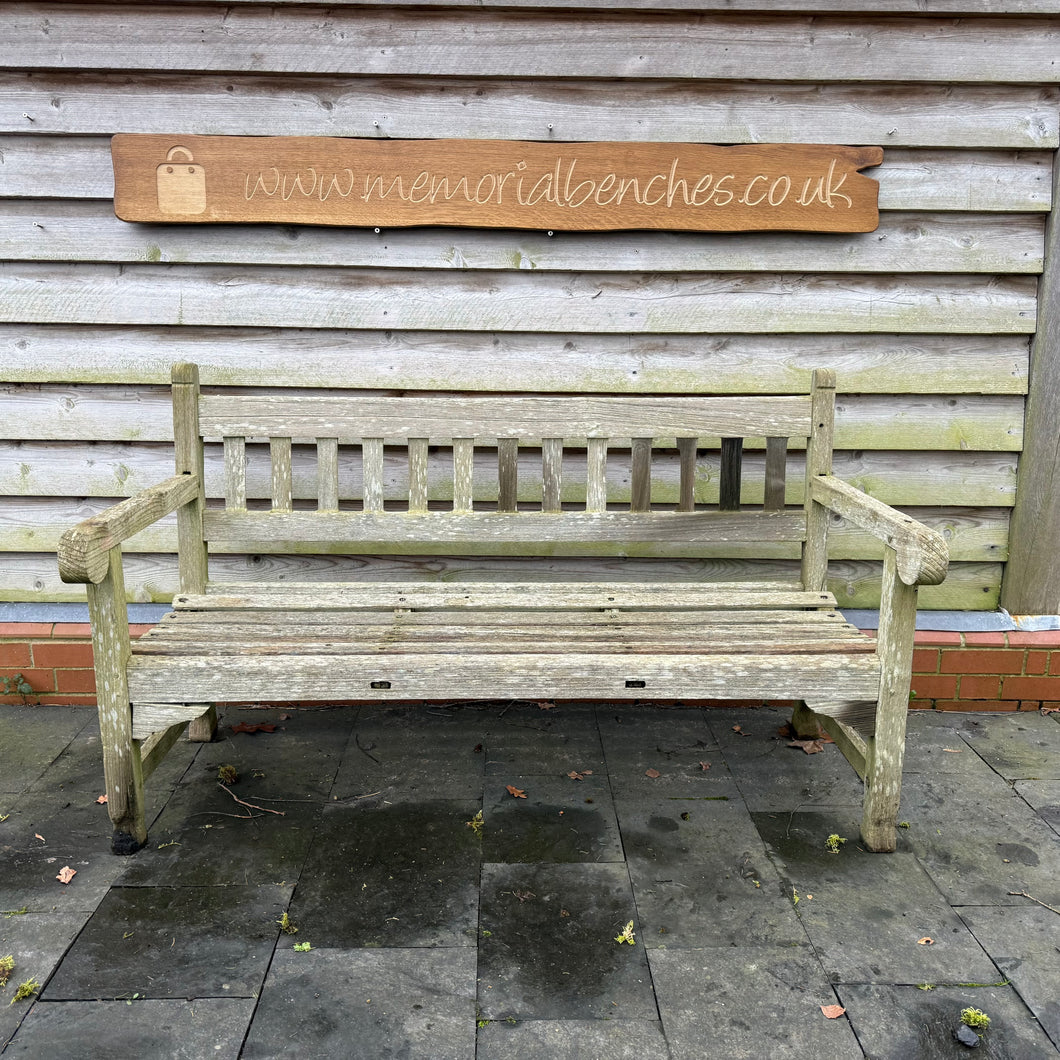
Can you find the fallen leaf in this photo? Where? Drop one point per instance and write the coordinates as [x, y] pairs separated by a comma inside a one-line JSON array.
[[575, 775], [102, 799], [37, 835], [264, 726], [927, 940], [285, 717], [833, 1012], [516, 793], [1049, 710], [704, 766], [811, 747], [66, 874], [653, 773], [545, 705], [477, 749], [736, 728], [953, 750]]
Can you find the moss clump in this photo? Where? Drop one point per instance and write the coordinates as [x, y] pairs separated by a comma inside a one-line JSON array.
[[7, 966], [227, 774], [286, 926], [25, 990], [976, 1019], [834, 843]]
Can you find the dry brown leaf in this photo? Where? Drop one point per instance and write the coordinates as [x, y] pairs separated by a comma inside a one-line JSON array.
[[927, 940], [1049, 710], [102, 800], [704, 766], [66, 874], [516, 793], [264, 726], [545, 705], [811, 747], [575, 775], [833, 1012], [653, 773], [37, 835]]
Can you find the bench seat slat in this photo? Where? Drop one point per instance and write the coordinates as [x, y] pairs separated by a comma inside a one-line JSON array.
[[527, 418], [448, 675]]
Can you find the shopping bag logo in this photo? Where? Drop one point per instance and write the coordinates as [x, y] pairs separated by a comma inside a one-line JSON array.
[[181, 184]]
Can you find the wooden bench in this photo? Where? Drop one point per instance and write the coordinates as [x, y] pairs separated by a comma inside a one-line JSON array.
[[452, 640]]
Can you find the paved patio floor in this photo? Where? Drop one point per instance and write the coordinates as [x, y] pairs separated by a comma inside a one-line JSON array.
[[427, 931]]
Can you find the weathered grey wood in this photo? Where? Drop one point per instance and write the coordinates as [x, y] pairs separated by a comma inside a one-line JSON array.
[[921, 553], [518, 300], [122, 767], [488, 418], [203, 728], [328, 474], [149, 719], [1032, 575], [731, 474], [686, 447], [85, 550], [921, 364], [875, 7], [520, 676], [463, 474], [494, 43], [235, 458], [156, 746], [776, 474], [507, 474], [551, 474], [372, 471], [883, 776], [640, 475], [418, 481], [280, 463], [818, 462], [850, 742], [189, 460], [596, 475], [77, 232]]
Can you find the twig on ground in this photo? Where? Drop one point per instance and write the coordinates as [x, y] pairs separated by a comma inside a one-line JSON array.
[[250, 805], [1024, 894]]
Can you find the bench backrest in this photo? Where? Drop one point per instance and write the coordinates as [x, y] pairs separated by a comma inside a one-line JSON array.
[[584, 475]]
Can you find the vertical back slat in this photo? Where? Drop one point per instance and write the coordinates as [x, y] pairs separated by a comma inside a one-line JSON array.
[[418, 474], [818, 462], [328, 474], [507, 474], [235, 473], [776, 474], [686, 448], [280, 457], [640, 470], [372, 474], [463, 474], [731, 474], [188, 454], [596, 475], [551, 474]]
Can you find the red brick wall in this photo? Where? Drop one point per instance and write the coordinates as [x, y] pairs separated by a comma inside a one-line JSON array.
[[951, 671]]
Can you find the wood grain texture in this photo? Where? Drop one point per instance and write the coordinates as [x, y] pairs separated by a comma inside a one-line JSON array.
[[876, 7], [506, 361], [32, 292], [906, 241], [558, 44]]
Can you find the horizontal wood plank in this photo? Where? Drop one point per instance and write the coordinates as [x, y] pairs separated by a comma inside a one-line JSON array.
[[108, 469], [33, 577], [32, 292], [538, 44], [876, 7], [512, 361], [78, 232]]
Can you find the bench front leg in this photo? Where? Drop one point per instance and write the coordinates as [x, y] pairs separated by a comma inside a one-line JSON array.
[[111, 650], [886, 747]]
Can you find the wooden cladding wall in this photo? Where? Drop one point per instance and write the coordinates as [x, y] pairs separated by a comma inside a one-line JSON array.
[[927, 321]]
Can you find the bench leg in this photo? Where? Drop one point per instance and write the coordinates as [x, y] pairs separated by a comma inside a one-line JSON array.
[[204, 728], [804, 723], [886, 748]]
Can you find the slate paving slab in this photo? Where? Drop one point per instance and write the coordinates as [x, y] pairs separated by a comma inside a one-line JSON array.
[[906, 1023], [173, 942], [104, 1030], [559, 819], [866, 913], [773, 776], [1024, 746], [1043, 796], [527, 739], [547, 946], [978, 840], [747, 1003], [31, 738], [1024, 943], [335, 1003], [619, 1039], [934, 743], [391, 874], [414, 752], [37, 942]]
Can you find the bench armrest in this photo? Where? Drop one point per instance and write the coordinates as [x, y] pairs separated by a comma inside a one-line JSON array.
[[922, 553], [83, 549]]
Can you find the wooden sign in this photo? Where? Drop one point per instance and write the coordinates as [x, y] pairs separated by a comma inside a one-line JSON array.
[[494, 183]]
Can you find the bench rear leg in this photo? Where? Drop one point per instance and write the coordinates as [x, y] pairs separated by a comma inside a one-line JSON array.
[[204, 728]]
